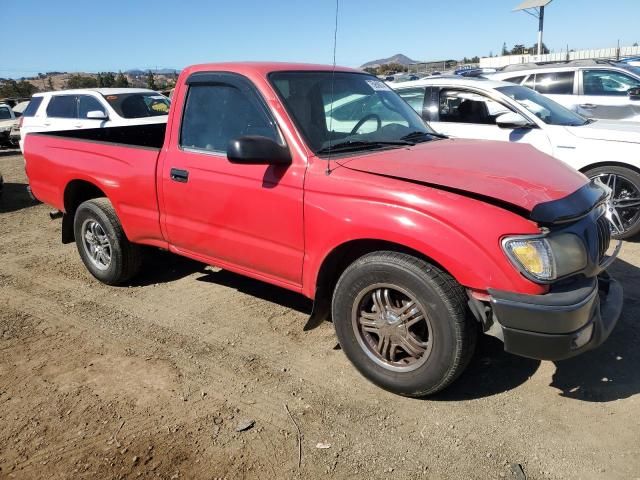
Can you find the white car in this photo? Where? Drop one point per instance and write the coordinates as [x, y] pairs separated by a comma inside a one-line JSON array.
[[493, 110], [92, 108], [7, 121], [594, 88]]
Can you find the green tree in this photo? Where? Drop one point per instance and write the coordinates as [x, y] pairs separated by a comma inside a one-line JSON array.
[[121, 80], [50, 83], [81, 81], [106, 80], [12, 88], [518, 49], [534, 49], [151, 81], [505, 50]]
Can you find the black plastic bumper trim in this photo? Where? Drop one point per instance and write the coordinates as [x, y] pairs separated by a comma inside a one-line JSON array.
[[601, 316], [563, 310]]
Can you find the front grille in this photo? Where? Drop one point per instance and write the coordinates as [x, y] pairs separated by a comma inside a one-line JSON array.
[[604, 236]]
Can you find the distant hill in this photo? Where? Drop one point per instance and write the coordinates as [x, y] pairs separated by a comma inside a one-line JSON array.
[[398, 58], [157, 71]]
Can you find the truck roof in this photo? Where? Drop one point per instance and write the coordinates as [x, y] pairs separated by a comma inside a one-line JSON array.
[[265, 68]]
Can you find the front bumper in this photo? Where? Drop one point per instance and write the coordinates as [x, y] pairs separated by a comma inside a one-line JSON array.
[[561, 324]]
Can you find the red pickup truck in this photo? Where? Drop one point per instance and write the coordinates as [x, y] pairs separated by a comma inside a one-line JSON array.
[[325, 182]]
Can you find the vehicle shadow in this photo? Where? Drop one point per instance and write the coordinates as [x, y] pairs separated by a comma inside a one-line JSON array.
[[15, 197], [610, 372], [256, 288], [10, 153], [160, 266], [490, 372]]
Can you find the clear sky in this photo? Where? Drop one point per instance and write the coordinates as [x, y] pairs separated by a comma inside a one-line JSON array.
[[90, 35]]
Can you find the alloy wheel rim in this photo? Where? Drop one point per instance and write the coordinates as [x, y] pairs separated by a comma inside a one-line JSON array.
[[96, 244], [624, 207], [392, 327]]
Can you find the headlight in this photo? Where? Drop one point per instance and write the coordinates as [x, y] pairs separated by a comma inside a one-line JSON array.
[[547, 258]]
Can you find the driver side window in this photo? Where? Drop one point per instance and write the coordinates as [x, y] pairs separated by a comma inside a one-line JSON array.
[[608, 82], [460, 106]]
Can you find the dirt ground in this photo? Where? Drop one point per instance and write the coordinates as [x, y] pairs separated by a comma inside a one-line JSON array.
[[154, 379]]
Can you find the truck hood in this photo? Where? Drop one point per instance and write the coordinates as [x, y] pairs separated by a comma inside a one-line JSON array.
[[513, 174], [611, 130]]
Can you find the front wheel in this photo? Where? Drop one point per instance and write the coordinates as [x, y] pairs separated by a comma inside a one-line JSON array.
[[625, 185], [102, 244], [403, 323]]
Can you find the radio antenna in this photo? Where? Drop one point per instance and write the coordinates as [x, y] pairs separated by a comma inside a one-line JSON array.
[[333, 73]]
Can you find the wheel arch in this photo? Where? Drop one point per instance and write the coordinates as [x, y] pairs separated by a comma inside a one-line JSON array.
[[338, 259], [76, 192], [610, 163]]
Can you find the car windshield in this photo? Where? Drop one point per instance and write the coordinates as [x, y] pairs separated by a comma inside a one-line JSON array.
[[542, 107], [139, 104], [5, 113], [348, 111], [632, 68]]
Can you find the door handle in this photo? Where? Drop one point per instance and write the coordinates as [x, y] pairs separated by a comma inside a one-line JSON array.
[[178, 175], [588, 105]]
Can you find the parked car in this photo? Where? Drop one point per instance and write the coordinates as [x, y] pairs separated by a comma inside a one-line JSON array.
[[633, 61], [492, 110], [7, 121], [411, 241], [14, 134], [92, 108], [593, 88]]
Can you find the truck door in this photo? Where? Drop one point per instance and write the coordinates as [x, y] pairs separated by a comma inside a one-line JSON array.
[[243, 217]]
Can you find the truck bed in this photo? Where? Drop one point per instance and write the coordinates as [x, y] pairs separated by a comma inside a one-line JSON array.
[[121, 161], [148, 136]]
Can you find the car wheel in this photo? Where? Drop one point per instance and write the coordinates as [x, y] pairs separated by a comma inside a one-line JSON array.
[[102, 244], [625, 184], [403, 323]]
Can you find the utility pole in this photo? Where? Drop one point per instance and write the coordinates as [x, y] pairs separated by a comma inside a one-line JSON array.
[[535, 8]]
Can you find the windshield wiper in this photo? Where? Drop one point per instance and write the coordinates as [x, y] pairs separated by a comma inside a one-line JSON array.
[[361, 145], [417, 134]]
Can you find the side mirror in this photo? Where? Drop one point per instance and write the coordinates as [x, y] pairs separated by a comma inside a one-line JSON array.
[[634, 93], [512, 120], [257, 150], [97, 115]]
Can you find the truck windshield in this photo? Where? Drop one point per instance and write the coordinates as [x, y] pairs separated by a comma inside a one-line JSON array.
[[345, 111], [542, 107], [139, 105]]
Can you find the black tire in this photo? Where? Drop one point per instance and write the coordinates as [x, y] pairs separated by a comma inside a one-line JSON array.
[[452, 330], [125, 257], [632, 180]]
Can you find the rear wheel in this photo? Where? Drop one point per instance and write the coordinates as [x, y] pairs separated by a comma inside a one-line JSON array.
[[102, 244], [403, 323], [625, 184]]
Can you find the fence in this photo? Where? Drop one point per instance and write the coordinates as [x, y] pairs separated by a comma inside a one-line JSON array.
[[602, 53]]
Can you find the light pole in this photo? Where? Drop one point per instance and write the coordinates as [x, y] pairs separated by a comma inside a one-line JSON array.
[[535, 8]]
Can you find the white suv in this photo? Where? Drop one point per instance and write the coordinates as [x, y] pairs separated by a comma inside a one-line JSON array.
[[593, 88], [92, 108]]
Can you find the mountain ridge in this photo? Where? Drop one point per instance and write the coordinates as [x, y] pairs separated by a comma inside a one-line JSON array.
[[397, 58]]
